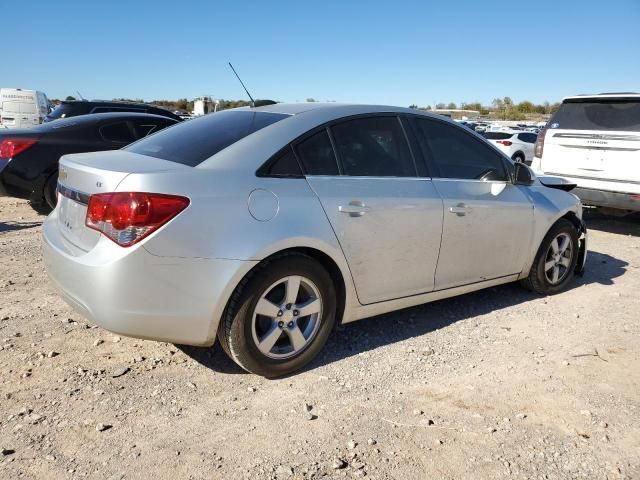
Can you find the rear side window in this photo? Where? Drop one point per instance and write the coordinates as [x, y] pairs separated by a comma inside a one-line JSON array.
[[601, 114], [317, 156], [458, 154], [284, 165], [497, 135], [191, 143], [142, 130], [528, 137], [117, 132], [373, 146], [61, 111]]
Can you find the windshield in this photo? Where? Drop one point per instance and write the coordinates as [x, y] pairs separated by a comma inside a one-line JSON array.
[[598, 114], [192, 142], [61, 111]]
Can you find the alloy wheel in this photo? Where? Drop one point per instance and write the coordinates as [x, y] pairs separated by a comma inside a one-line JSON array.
[[558, 259], [286, 317]]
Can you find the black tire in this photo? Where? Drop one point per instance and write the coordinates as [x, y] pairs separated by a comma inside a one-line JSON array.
[[51, 190], [235, 330], [537, 280], [518, 157]]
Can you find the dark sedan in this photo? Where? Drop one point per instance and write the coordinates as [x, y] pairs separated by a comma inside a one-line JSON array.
[[29, 158]]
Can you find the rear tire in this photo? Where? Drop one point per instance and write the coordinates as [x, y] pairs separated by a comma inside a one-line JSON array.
[[271, 332], [555, 263], [51, 190], [518, 157]]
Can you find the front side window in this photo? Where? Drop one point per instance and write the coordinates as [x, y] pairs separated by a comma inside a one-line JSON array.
[[458, 154], [373, 147], [316, 155]]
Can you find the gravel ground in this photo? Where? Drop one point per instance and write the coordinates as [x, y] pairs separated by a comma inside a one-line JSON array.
[[496, 384]]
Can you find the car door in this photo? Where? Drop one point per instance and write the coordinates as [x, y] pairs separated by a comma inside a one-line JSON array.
[[528, 140], [387, 219], [488, 221]]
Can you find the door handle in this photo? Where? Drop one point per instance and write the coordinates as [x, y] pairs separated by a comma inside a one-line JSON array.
[[356, 208], [460, 209]]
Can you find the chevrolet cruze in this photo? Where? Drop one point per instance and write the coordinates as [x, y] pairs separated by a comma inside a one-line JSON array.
[[266, 227]]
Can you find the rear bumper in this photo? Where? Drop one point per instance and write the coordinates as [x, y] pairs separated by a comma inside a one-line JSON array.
[[604, 198], [134, 293]]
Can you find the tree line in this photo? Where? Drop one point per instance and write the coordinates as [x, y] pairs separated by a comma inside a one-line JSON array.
[[500, 108]]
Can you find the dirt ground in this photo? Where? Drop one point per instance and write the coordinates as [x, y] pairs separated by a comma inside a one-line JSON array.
[[496, 384]]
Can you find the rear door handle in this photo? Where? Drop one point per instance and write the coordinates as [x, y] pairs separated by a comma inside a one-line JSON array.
[[460, 209], [356, 208]]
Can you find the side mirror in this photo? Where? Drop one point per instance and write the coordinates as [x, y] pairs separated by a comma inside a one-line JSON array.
[[523, 174]]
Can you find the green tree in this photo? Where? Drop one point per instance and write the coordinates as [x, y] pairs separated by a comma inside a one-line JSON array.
[[440, 106], [413, 106], [451, 106], [70, 98], [311, 100], [525, 107]]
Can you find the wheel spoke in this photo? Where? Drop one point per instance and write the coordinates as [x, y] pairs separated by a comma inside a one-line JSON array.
[[554, 245], [549, 265], [270, 338], [296, 337], [309, 308], [267, 308], [556, 274], [565, 244], [565, 262], [293, 286]]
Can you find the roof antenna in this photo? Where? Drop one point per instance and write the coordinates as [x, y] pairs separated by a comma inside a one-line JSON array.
[[253, 103], [80, 95]]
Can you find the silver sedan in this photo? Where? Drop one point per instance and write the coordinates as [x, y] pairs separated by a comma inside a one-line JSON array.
[[264, 228]]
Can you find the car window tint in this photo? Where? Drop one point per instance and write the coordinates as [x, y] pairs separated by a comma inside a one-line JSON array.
[[317, 156], [373, 146], [284, 165], [457, 154], [117, 132], [192, 142], [142, 130], [527, 137], [497, 135], [598, 114]]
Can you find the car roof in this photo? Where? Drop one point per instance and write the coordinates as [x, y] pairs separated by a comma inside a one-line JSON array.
[[339, 109], [100, 117], [603, 95]]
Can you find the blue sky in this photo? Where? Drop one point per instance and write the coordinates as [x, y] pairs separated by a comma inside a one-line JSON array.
[[390, 52]]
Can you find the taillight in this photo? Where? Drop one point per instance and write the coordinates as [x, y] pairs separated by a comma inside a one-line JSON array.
[[506, 143], [539, 146], [128, 217], [10, 147]]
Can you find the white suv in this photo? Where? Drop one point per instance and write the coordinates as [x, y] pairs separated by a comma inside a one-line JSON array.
[[594, 140], [516, 144]]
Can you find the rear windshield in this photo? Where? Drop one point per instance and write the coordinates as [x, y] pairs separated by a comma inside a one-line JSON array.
[[602, 114], [498, 135], [192, 142], [61, 111]]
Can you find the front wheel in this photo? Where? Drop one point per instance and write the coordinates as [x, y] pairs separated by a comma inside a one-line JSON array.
[[280, 316], [555, 262]]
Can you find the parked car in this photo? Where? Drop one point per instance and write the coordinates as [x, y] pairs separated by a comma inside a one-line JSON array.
[[517, 145], [29, 158], [20, 108], [74, 108], [594, 140], [267, 227]]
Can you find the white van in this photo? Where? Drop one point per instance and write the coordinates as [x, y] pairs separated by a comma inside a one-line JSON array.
[[594, 141], [22, 108]]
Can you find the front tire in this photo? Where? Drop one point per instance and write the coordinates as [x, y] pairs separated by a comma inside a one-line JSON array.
[[280, 316], [555, 263]]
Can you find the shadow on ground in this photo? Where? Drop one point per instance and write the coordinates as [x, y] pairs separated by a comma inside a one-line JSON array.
[[358, 337], [14, 226], [627, 225]]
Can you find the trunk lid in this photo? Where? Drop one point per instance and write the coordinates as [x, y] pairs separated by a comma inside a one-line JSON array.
[[81, 175], [591, 154]]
